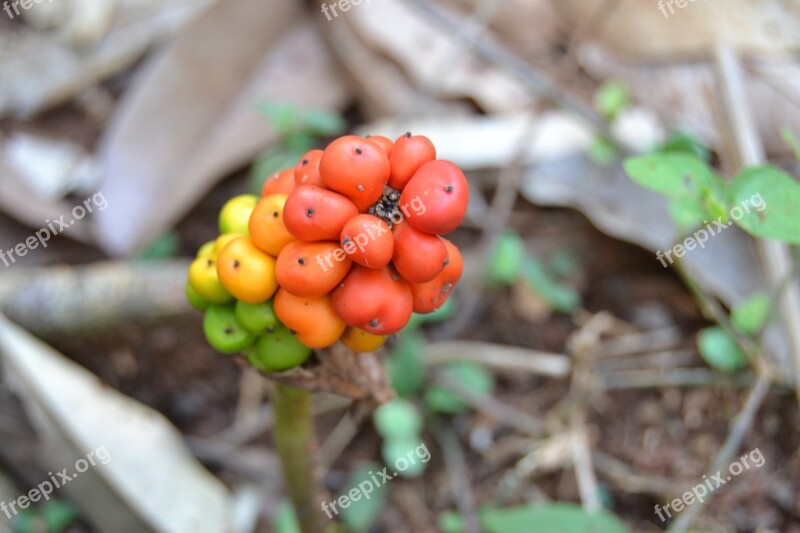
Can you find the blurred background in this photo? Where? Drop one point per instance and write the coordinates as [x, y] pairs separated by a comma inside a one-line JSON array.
[[573, 383]]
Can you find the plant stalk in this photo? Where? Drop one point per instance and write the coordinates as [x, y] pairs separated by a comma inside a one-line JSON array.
[[294, 439]]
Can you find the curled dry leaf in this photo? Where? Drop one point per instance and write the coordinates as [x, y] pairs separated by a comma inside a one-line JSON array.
[[145, 478], [530, 27], [38, 71], [435, 60], [191, 116], [646, 31]]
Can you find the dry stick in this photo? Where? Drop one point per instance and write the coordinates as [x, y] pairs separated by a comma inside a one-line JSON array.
[[583, 345], [776, 260], [776, 257], [740, 428], [456, 466], [76, 299], [343, 433], [678, 377], [498, 356], [505, 414]]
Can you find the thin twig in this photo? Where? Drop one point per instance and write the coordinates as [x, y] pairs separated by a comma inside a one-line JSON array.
[[500, 357], [775, 256], [678, 377], [499, 411], [457, 471], [740, 427]]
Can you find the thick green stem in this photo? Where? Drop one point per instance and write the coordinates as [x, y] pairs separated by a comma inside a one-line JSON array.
[[294, 438]]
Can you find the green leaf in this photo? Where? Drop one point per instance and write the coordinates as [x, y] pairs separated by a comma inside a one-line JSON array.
[[766, 203], [404, 451], [299, 143], [559, 297], [444, 313], [285, 520], [505, 262], [720, 350], [602, 151], [404, 365], [681, 177], [53, 516], [611, 99], [681, 142], [323, 123], [750, 316], [271, 161], [284, 118], [451, 522], [398, 420], [367, 499], [564, 263], [791, 140], [471, 376], [553, 518], [686, 214], [164, 246]]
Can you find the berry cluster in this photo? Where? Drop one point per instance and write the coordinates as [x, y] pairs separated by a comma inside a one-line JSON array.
[[345, 246]]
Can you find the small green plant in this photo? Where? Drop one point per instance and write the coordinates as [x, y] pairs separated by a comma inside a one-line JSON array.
[[556, 516], [764, 201], [510, 263], [298, 132]]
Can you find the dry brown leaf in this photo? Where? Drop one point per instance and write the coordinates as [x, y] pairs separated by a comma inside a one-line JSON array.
[[38, 71], [191, 117], [529, 27], [435, 60], [641, 30], [145, 479]]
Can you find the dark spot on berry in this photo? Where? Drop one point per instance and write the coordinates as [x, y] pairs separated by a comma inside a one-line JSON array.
[[447, 287], [407, 134], [301, 261], [305, 162], [359, 151], [345, 241], [310, 212], [228, 331], [209, 262], [236, 263], [374, 323], [305, 304], [448, 189], [446, 262], [276, 214]]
